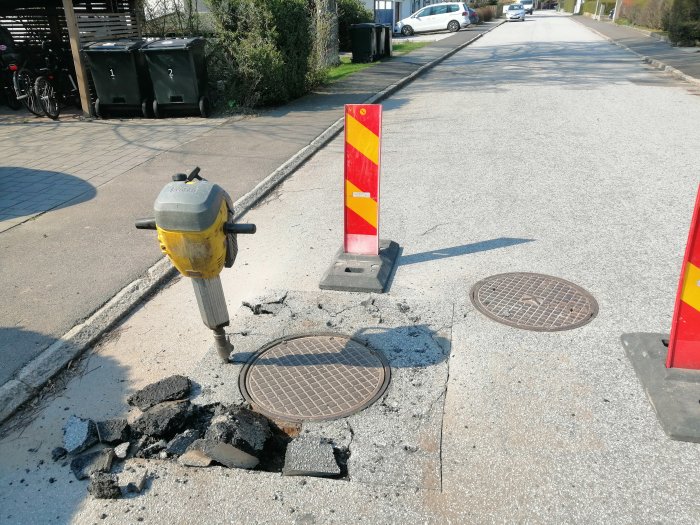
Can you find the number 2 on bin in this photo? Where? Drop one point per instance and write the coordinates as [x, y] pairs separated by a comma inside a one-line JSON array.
[[170, 73]]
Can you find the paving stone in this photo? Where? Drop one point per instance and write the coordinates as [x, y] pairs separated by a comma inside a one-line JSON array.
[[112, 431], [169, 389], [122, 450], [104, 486], [163, 420], [309, 456], [79, 434], [178, 445], [85, 465]]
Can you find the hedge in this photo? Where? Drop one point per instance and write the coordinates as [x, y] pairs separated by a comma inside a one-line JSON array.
[[350, 12], [261, 52]]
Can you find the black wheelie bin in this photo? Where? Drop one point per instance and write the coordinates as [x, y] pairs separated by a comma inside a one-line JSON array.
[[179, 75], [379, 31], [120, 75], [364, 42]]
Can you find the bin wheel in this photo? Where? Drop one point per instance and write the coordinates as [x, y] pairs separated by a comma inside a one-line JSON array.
[[156, 110], [98, 111], [204, 107], [145, 109]]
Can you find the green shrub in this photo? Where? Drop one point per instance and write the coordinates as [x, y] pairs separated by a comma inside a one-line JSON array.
[[684, 22], [647, 13], [590, 6], [485, 13], [260, 53], [567, 5], [350, 12]]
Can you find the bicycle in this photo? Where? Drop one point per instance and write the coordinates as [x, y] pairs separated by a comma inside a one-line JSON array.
[[55, 86], [8, 89], [23, 82]]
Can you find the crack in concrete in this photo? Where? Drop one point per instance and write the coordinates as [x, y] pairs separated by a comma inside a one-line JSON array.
[[431, 230], [444, 394]]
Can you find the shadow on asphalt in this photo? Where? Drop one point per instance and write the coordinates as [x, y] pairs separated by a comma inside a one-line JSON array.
[[86, 387], [465, 249], [26, 191], [501, 68]]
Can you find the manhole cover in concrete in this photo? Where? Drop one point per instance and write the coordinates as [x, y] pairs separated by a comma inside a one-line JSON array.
[[314, 377], [534, 302]]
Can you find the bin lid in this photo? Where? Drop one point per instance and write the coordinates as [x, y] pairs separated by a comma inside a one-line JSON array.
[[366, 25], [174, 43], [126, 44]]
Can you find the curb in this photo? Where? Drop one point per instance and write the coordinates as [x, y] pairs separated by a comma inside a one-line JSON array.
[[33, 376], [661, 66]]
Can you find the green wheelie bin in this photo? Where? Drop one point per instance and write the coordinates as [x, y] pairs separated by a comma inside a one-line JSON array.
[[179, 75], [120, 75]]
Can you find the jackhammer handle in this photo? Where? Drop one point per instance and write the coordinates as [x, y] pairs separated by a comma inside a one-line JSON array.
[[145, 224], [239, 228]]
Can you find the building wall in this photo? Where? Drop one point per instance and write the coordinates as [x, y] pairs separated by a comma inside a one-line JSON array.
[[399, 9]]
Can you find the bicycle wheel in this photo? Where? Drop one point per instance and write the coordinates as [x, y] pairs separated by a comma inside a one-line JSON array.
[[46, 93], [24, 88]]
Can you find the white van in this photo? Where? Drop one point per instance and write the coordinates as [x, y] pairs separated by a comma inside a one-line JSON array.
[[451, 16], [529, 5]]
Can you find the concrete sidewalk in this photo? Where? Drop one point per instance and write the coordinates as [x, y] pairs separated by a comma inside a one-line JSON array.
[[682, 62], [80, 248]]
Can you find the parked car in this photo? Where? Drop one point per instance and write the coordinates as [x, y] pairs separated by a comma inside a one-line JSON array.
[[473, 16], [452, 16], [515, 12], [528, 5]]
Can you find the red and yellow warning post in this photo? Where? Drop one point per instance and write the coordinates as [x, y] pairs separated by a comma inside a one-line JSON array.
[[363, 125], [684, 344]]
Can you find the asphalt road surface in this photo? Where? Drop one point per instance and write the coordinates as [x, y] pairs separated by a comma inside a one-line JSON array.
[[541, 148]]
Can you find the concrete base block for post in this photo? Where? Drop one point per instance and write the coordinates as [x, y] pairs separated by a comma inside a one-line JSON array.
[[362, 273], [672, 392]]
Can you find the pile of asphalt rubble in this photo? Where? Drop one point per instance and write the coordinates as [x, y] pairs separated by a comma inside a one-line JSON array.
[[173, 429]]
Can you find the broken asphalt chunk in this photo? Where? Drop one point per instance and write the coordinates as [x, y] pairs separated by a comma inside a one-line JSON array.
[[194, 458], [79, 434], [112, 431], [308, 456], [58, 453], [85, 465], [231, 457], [163, 420], [152, 450], [178, 445], [122, 450], [169, 389], [240, 427], [104, 486]]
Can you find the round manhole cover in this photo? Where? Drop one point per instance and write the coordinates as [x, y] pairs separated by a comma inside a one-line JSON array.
[[314, 377], [534, 302]]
